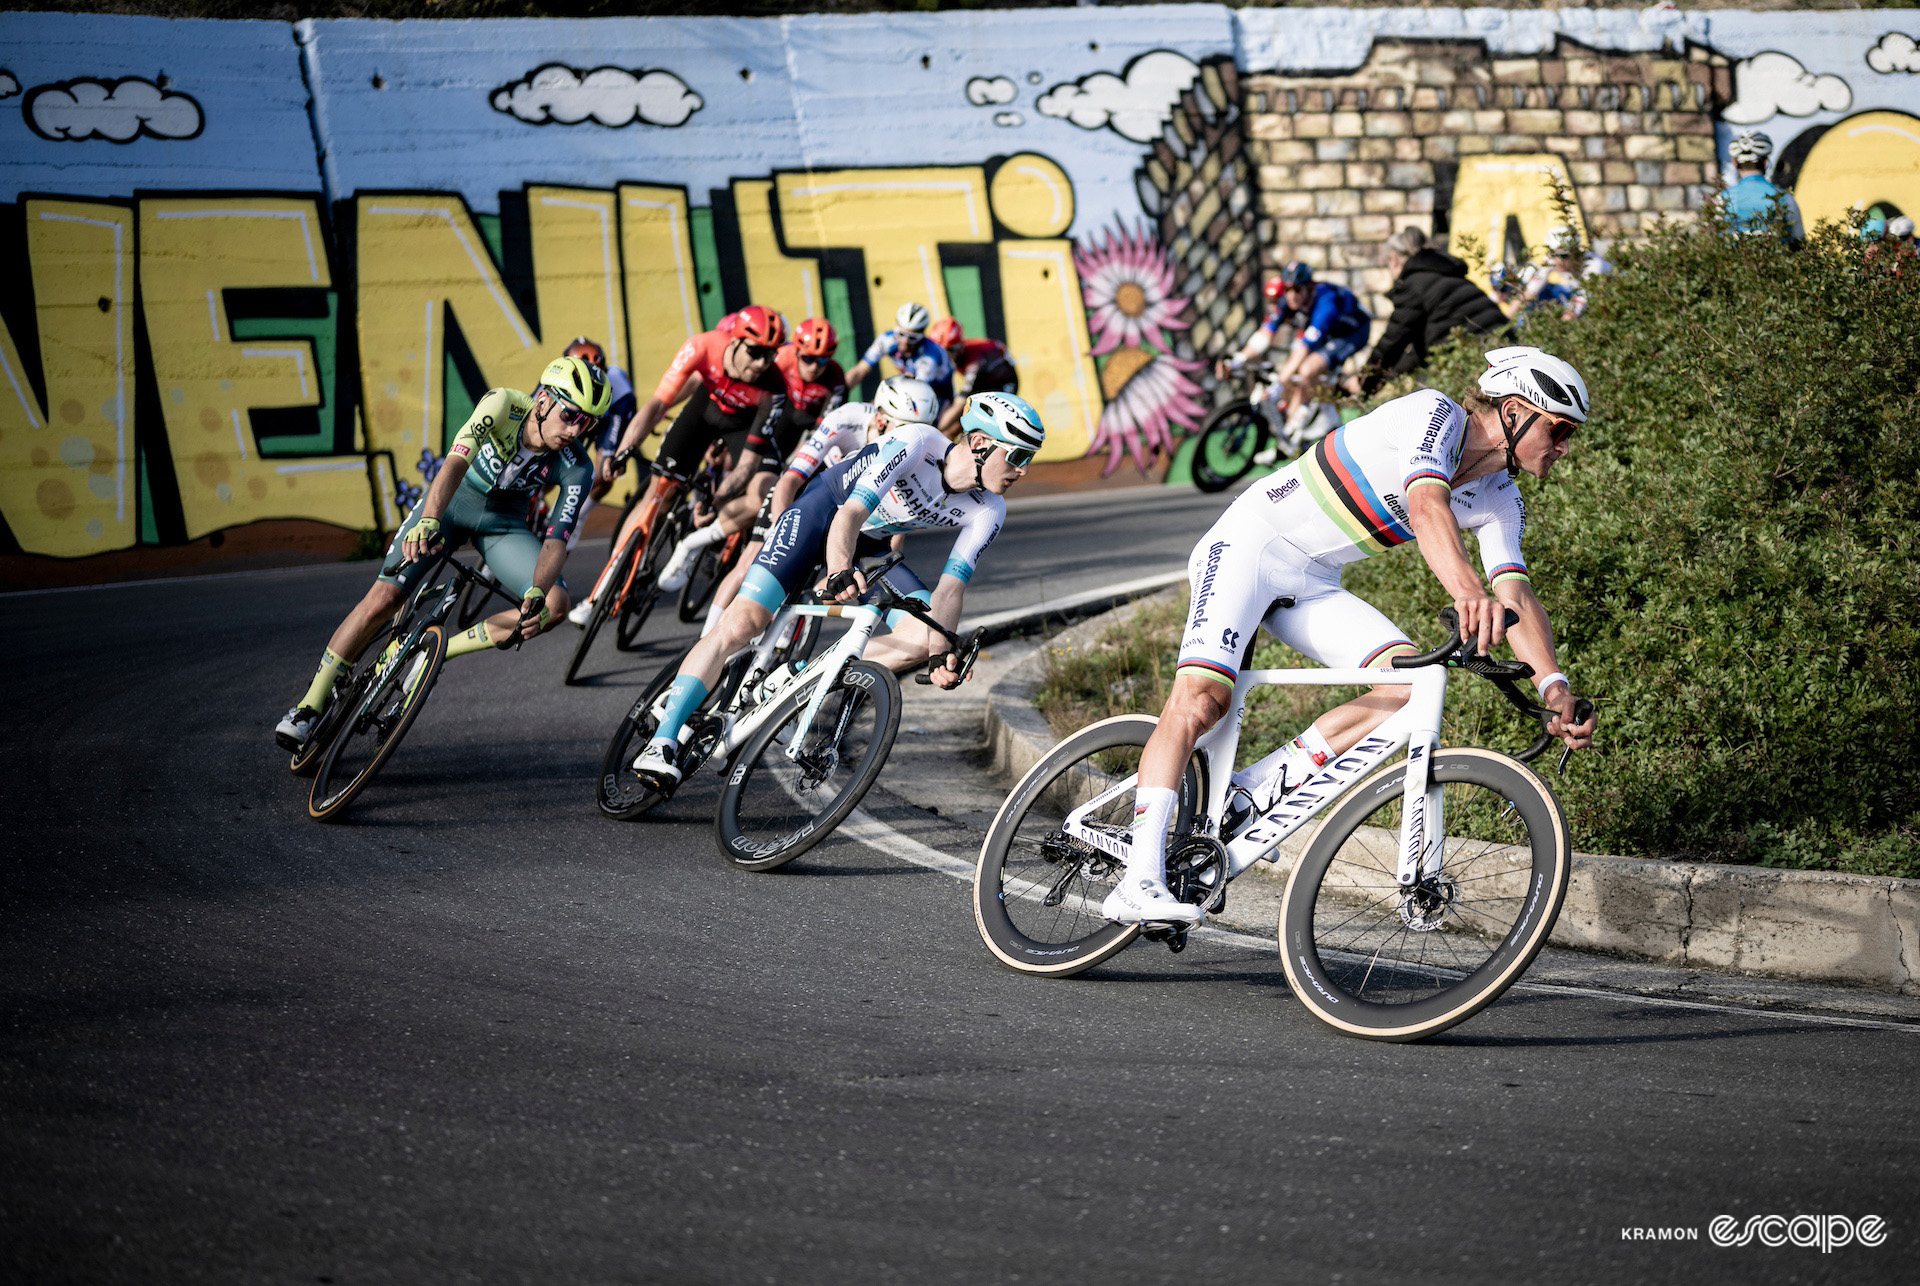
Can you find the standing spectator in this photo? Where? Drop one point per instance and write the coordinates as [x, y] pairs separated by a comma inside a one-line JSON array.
[[1431, 298]]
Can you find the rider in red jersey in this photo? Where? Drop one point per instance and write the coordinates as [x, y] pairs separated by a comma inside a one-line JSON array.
[[730, 383], [815, 385]]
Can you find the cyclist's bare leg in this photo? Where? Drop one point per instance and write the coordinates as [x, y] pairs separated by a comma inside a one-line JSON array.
[[1306, 381], [1193, 707], [903, 648], [365, 620], [743, 619]]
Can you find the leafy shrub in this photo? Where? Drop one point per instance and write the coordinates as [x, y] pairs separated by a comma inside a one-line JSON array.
[[1728, 555]]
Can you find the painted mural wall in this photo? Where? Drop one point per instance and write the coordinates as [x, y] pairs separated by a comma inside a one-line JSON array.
[[261, 272]]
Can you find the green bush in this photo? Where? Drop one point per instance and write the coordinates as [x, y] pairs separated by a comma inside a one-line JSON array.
[[1728, 554]]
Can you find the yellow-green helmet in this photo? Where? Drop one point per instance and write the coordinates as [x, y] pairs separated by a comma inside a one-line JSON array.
[[577, 381]]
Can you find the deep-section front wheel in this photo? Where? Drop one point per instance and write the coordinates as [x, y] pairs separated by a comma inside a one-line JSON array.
[[797, 780], [374, 728], [347, 691], [603, 605], [1038, 888], [1389, 963], [1229, 441]]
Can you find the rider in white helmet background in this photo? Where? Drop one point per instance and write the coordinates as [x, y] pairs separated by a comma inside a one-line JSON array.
[[1421, 468], [908, 348]]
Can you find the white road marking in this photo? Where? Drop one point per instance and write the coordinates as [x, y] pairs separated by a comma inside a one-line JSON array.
[[876, 834]]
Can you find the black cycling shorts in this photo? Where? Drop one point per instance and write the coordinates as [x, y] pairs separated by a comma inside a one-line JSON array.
[[699, 425]]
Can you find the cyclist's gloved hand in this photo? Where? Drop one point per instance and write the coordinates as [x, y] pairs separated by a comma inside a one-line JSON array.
[[945, 671], [423, 539], [533, 616], [843, 586]]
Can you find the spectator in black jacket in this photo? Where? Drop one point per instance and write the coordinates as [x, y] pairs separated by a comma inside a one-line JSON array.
[[1431, 298]]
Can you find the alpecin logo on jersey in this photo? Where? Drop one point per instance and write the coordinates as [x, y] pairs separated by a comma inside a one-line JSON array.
[[1215, 553], [1284, 490]]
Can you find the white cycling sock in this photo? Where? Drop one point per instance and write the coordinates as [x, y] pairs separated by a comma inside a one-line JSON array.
[[693, 544], [1153, 808], [1285, 768]]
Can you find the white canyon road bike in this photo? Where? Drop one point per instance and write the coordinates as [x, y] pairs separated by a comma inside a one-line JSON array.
[[1420, 899]]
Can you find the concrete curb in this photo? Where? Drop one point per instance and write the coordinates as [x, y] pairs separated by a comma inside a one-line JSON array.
[[1808, 925]]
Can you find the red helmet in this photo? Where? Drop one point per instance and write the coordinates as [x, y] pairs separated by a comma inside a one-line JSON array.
[[1274, 289], [815, 337], [592, 352], [946, 332], [761, 326]]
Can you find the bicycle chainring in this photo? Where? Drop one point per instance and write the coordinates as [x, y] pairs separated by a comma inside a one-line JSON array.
[[1197, 871]]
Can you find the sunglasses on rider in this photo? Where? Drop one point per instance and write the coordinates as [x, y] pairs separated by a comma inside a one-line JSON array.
[[761, 352], [1018, 457], [1561, 429], [574, 416]]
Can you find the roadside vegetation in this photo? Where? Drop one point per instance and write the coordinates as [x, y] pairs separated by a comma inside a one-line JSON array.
[[1729, 556]]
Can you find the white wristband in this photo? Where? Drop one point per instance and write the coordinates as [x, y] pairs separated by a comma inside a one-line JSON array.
[[1556, 677]]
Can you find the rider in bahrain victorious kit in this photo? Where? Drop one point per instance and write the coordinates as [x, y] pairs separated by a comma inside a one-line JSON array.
[[911, 480], [1420, 468]]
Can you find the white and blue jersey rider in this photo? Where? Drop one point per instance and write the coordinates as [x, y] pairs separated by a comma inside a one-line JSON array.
[[911, 480], [909, 349]]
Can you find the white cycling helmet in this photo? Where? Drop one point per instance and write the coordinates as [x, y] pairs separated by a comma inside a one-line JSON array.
[[1009, 420], [912, 317], [1750, 148], [904, 399], [1543, 379]]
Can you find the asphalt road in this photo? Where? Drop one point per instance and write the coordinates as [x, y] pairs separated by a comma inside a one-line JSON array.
[[478, 1033]]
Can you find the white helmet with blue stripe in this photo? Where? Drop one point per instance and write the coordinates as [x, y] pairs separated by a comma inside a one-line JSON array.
[[1009, 420]]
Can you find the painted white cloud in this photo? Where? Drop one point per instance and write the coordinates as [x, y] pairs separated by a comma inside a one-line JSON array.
[[1009, 118], [984, 92], [1135, 103], [1895, 52], [612, 96], [1775, 84], [119, 111], [8, 85]]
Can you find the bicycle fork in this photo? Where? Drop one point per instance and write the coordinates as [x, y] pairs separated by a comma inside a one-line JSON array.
[[852, 645], [1423, 821]]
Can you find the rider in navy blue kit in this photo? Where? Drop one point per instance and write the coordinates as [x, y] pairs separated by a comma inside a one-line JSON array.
[[1329, 325]]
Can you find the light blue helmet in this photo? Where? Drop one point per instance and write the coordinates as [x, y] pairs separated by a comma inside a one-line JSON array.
[[1009, 420]]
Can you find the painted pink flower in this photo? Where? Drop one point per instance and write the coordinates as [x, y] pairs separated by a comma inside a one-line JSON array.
[[1128, 286], [1152, 397]]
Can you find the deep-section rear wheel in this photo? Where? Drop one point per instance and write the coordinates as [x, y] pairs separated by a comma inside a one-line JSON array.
[[1037, 889], [1384, 962]]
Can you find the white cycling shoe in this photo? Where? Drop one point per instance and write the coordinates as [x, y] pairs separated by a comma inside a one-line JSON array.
[[658, 766], [1141, 899], [581, 611], [296, 729]]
